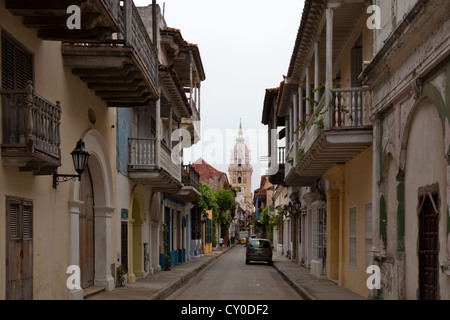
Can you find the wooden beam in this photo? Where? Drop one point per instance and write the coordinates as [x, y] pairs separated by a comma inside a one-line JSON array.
[[78, 35], [60, 21]]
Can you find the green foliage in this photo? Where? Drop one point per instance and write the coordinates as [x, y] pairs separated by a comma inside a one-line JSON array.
[[207, 200], [225, 205], [316, 117], [121, 275], [167, 260]]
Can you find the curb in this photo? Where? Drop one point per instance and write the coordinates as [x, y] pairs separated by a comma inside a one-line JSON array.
[[304, 292]]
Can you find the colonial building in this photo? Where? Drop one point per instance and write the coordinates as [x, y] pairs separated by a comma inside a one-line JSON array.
[[114, 88], [328, 139], [364, 81], [410, 79], [211, 176], [217, 180], [155, 190], [57, 222], [263, 198]]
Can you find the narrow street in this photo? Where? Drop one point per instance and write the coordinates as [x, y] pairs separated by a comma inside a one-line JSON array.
[[229, 278]]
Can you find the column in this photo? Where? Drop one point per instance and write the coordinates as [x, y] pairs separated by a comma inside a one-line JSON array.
[[103, 261], [329, 66], [74, 258], [316, 71]]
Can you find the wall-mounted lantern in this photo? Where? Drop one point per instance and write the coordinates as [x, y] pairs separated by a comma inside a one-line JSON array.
[[80, 158]]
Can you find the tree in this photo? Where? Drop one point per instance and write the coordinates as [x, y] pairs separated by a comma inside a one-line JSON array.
[[225, 200], [207, 200]]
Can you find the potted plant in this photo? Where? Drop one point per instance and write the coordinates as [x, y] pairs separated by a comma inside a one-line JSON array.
[[121, 275], [167, 260]]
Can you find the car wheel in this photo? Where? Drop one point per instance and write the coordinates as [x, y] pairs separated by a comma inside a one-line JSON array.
[[270, 263], [247, 261]]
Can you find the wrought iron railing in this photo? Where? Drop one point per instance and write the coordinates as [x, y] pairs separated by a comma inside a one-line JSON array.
[[190, 177]]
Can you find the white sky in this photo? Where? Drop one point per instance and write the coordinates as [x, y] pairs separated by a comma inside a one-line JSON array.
[[246, 47]]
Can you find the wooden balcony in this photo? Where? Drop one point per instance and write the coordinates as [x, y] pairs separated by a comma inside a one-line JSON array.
[[152, 166], [31, 131], [346, 132], [191, 185], [123, 72], [99, 18]]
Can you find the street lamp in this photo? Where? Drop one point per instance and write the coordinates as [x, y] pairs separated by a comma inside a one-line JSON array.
[[80, 158], [297, 205], [290, 207]]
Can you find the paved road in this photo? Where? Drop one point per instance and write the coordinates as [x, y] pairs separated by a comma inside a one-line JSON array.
[[229, 278]]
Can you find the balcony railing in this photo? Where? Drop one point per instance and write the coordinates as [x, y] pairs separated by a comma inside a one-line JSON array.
[[137, 37], [142, 153], [333, 134], [30, 124], [144, 156], [190, 177], [351, 107]]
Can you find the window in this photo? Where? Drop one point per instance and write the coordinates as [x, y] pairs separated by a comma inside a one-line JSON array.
[[17, 64], [239, 180], [20, 218], [368, 232], [352, 237], [319, 233]]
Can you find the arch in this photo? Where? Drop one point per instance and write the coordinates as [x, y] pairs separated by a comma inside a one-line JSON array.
[[135, 225], [425, 165], [102, 182], [431, 95]]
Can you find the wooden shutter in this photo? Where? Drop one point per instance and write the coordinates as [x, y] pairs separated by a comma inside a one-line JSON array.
[[17, 64], [19, 249]]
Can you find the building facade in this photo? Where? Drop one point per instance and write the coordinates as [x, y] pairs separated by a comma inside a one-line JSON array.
[[410, 165], [55, 222], [371, 182], [126, 88], [155, 189]]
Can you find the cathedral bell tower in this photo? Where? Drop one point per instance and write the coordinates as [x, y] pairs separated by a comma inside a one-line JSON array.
[[240, 169]]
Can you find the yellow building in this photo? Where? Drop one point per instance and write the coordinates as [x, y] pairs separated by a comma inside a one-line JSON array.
[[328, 139], [207, 232]]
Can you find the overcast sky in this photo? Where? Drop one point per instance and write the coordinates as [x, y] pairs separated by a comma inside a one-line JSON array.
[[246, 47]]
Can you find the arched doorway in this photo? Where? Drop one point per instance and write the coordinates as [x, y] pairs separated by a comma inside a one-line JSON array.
[[91, 203]]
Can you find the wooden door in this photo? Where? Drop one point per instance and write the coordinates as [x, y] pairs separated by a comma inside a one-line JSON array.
[[428, 248], [87, 251], [124, 245], [19, 249]]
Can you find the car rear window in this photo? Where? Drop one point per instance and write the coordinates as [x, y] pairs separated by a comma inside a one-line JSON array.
[[260, 244]]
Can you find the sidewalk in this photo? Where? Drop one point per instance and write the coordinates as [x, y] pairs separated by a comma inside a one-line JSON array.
[[308, 286], [162, 284]]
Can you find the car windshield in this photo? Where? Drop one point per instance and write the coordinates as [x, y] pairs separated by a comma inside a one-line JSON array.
[[260, 244]]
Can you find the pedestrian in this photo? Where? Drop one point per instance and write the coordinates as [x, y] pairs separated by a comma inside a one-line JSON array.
[[221, 242]]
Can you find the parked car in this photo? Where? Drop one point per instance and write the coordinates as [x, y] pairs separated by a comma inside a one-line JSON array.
[[258, 250]]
